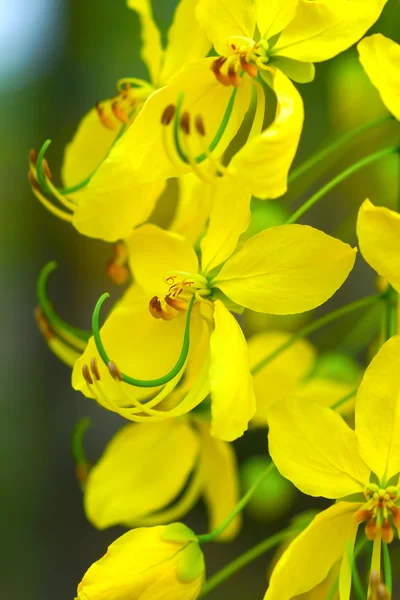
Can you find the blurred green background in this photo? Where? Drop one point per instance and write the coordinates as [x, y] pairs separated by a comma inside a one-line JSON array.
[[57, 58]]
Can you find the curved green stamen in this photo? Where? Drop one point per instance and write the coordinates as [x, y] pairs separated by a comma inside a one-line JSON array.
[[217, 138], [84, 182], [145, 383], [78, 433], [50, 314]]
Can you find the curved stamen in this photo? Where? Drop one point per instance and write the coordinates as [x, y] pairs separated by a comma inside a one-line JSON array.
[[64, 352], [132, 380], [74, 335], [78, 452]]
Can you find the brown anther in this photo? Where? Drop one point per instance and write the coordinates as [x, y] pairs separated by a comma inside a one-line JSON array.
[[43, 324], [185, 123], [396, 515], [119, 274], [199, 123], [387, 531], [119, 113], [114, 371], [176, 303], [216, 69], [168, 114], [155, 307], [250, 69], [95, 369], [382, 592], [371, 529], [46, 169], [33, 157], [362, 515], [233, 76], [33, 182], [233, 46], [82, 472], [374, 580], [105, 120], [86, 374]]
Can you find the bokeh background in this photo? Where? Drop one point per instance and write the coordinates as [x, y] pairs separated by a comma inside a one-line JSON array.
[[57, 58]]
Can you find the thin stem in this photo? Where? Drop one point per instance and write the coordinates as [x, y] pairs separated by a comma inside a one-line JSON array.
[[318, 324], [338, 179], [209, 537], [311, 162], [387, 567], [244, 559], [78, 451], [355, 576], [360, 545]]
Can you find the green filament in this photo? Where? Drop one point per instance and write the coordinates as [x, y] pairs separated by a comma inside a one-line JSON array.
[[45, 304], [387, 567], [78, 434], [144, 383], [361, 595]]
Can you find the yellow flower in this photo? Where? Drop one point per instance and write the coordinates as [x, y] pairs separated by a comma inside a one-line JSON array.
[[282, 270], [380, 58], [378, 231], [111, 216], [146, 467], [158, 563], [314, 448], [189, 124], [295, 372]]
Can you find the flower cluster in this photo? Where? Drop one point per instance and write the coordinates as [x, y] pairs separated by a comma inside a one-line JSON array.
[[217, 125]]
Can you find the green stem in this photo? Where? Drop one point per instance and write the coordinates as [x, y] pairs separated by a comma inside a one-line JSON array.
[[387, 567], [244, 559], [209, 537], [78, 433], [310, 163], [355, 576], [318, 324], [338, 179]]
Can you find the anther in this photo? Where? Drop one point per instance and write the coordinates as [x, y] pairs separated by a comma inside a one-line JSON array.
[[155, 307], [233, 76], [185, 123], [371, 529], [33, 182], [33, 157], [374, 579], [387, 531], [95, 369], [118, 112], [176, 303], [46, 169], [216, 69], [199, 123], [86, 374], [106, 121], [114, 371], [249, 68], [382, 592], [168, 114], [43, 324]]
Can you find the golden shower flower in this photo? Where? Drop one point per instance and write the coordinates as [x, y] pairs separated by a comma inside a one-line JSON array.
[[295, 371], [157, 563], [282, 270], [380, 58], [154, 473], [112, 216], [322, 456], [189, 124]]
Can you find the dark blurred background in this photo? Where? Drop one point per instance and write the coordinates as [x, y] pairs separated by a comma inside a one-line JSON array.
[[57, 58]]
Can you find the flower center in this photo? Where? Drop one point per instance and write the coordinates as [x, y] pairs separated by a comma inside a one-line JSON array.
[[182, 287], [245, 56], [380, 512]]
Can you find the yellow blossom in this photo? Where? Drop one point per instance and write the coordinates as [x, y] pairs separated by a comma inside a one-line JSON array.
[[112, 215], [146, 467], [144, 333], [313, 447], [158, 563]]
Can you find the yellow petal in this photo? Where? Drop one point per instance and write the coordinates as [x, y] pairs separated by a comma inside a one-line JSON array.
[[226, 18], [187, 41], [320, 455], [154, 253], [140, 154], [89, 146], [229, 218], [281, 377], [380, 58], [273, 16], [140, 564], [378, 231], [286, 269], [328, 392], [233, 401], [322, 29], [193, 207], [311, 555], [152, 51], [142, 470], [111, 214], [378, 412], [263, 163], [221, 483]]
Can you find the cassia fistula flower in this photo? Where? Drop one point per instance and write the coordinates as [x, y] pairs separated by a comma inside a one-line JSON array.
[[313, 447]]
